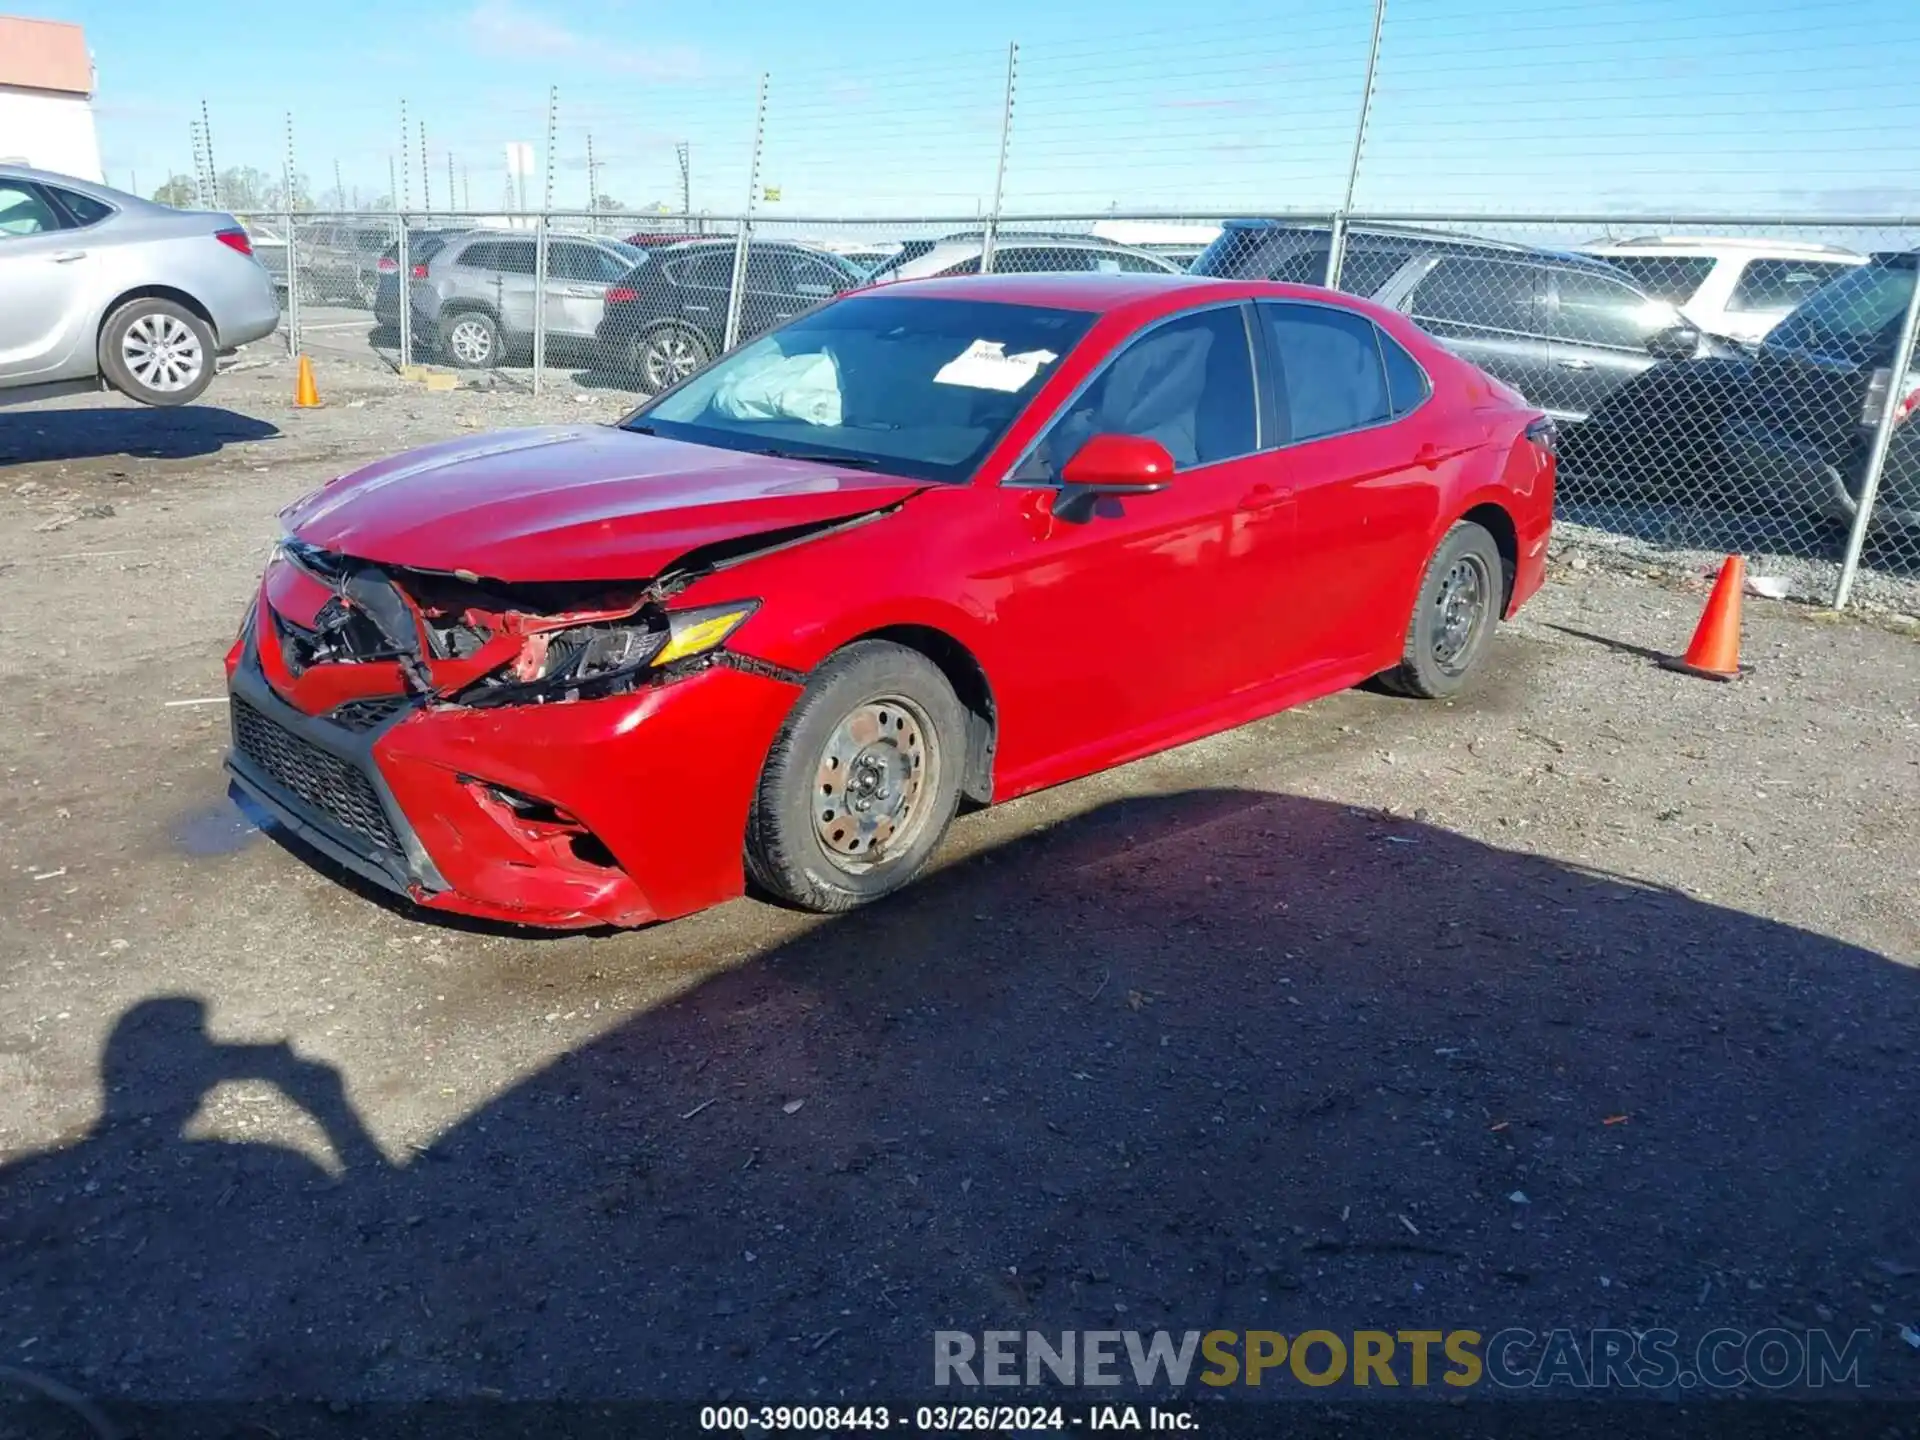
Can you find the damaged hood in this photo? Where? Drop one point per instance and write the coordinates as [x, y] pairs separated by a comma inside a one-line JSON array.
[[572, 503]]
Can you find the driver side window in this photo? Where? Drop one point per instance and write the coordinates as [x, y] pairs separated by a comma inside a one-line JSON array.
[[1187, 383]]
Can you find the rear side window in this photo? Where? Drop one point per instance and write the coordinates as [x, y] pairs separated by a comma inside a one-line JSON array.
[[1489, 294], [514, 257], [1780, 284], [481, 255], [1855, 318], [84, 209], [1594, 309], [1364, 272], [711, 270], [1328, 376], [1407, 383], [1675, 279]]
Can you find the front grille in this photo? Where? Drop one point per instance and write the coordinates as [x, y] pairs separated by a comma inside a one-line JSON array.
[[368, 714], [337, 788]]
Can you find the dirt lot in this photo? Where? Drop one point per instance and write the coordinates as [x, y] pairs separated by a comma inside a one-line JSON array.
[[1588, 1001]]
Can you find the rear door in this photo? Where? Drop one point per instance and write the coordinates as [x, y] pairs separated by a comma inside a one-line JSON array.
[[1489, 312], [44, 272], [1346, 401], [702, 285], [577, 279], [1599, 329]]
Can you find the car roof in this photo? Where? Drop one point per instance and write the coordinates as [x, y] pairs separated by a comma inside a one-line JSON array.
[[1434, 240], [1077, 289], [1717, 244]]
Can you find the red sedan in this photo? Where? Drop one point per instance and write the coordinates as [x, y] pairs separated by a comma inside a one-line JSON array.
[[953, 538]]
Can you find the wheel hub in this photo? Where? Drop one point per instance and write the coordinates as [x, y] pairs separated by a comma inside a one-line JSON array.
[[870, 783], [1461, 602]]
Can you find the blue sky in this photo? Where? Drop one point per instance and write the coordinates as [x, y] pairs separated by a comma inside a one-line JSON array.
[[1481, 105]]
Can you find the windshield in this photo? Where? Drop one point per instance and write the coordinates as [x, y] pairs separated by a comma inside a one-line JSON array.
[[917, 387], [1854, 318]]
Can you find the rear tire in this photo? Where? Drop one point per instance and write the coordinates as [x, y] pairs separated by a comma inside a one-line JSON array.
[[471, 340], [663, 357], [1454, 618], [861, 782], [157, 352]]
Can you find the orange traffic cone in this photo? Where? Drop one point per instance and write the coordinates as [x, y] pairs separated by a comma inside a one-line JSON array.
[[306, 395], [1715, 651]]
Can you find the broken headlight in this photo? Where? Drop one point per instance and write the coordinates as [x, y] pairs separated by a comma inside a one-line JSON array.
[[595, 659]]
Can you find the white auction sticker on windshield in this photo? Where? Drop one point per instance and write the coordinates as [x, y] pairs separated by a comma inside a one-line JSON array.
[[985, 365]]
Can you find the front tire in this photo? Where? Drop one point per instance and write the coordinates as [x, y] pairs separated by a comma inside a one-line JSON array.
[[157, 352], [1455, 615], [861, 782]]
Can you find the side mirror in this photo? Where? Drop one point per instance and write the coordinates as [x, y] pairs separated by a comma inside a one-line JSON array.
[[1676, 342], [1111, 465]]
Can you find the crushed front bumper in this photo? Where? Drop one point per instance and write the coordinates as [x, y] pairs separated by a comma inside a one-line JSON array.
[[604, 812]]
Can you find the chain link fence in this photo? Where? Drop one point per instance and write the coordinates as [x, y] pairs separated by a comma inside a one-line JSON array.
[[1736, 384]]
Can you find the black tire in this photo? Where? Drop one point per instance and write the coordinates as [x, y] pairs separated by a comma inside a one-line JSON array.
[[804, 837], [471, 340], [157, 352], [1465, 579], [667, 354]]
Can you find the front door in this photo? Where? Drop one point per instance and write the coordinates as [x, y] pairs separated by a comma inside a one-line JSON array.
[[43, 274], [1157, 606], [1490, 313]]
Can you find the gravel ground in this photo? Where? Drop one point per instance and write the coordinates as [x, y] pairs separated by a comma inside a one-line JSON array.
[[1587, 1000]]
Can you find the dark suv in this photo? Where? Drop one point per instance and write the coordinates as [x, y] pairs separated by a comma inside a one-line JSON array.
[[1802, 423], [668, 316], [1562, 329]]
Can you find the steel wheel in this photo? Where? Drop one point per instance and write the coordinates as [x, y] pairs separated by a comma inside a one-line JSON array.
[[471, 341], [872, 783], [162, 353], [1460, 610], [670, 357]]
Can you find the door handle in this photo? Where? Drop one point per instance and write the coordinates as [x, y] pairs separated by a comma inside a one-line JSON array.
[[1265, 497], [1574, 363], [67, 257]]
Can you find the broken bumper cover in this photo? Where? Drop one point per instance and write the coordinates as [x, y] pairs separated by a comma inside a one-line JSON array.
[[618, 811]]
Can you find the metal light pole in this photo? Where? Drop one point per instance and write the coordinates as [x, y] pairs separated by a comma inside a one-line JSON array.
[[1897, 381], [992, 235], [1337, 241]]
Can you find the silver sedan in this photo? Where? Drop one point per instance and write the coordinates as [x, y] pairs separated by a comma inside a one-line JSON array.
[[100, 288]]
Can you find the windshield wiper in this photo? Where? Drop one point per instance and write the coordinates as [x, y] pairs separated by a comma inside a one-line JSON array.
[[854, 462]]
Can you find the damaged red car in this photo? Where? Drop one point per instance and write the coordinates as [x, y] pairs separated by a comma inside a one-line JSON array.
[[948, 541]]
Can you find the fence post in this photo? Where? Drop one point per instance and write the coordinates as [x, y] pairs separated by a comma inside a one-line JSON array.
[[539, 301], [1337, 238], [992, 236], [406, 296], [737, 292], [293, 250], [1897, 377]]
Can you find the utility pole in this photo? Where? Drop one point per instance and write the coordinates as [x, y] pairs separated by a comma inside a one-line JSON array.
[[213, 173]]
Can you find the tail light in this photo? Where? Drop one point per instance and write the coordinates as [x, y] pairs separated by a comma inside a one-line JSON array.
[[420, 271], [387, 265], [1545, 435], [235, 240], [1905, 404], [616, 294]]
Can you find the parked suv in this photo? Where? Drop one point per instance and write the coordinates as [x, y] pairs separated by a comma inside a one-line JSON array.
[[1561, 328], [99, 288], [1739, 289], [473, 293], [667, 315], [1802, 423]]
